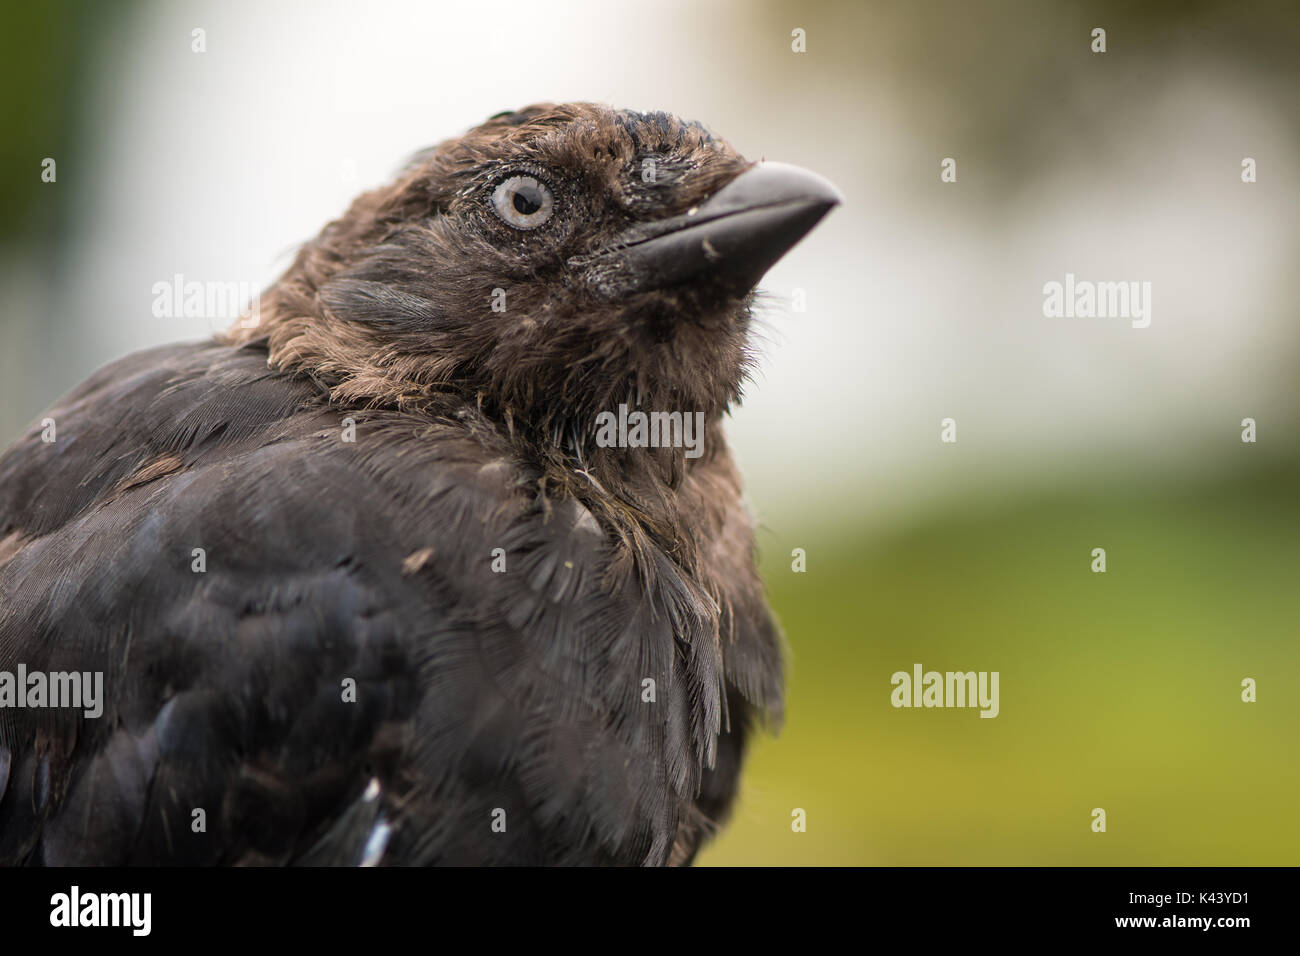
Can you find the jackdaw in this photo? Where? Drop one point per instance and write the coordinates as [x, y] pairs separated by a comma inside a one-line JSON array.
[[439, 556]]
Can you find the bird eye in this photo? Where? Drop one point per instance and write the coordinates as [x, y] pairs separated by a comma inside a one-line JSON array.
[[523, 202]]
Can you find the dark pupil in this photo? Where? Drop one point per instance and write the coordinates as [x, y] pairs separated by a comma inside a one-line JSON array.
[[527, 201]]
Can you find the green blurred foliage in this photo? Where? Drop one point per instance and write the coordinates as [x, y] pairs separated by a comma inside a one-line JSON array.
[[47, 56], [1119, 690]]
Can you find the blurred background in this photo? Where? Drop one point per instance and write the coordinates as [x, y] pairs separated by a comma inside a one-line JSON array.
[[918, 300]]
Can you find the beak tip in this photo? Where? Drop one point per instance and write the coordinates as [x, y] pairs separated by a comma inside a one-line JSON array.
[[766, 184], [815, 188]]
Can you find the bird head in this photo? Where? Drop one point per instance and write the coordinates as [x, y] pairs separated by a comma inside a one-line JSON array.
[[551, 264]]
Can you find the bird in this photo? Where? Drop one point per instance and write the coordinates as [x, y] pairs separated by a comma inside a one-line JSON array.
[[363, 581]]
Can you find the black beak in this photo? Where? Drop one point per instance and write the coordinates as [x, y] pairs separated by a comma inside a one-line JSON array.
[[734, 237]]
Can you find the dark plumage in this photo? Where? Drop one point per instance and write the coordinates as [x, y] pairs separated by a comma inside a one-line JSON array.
[[477, 690]]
